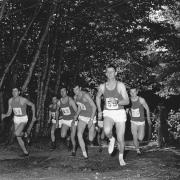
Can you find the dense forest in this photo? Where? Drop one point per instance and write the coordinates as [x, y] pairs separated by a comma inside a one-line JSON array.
[[48, 44]]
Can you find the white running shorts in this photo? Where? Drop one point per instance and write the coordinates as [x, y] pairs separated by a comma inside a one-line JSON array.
[[116, 115], [86, 119], [20, 119], [66, 122], [138, 123]]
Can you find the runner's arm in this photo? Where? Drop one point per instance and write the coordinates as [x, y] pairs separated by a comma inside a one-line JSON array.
[[29, 103], [122, 90], [9, 110], [146, 107], [74, 106], [98, 97], [92, 104]]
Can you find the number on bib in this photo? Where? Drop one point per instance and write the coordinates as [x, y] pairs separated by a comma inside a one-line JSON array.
[[111, 103], [53, 114], [17, 111], [135, 112], [83, 107], [66, 111]]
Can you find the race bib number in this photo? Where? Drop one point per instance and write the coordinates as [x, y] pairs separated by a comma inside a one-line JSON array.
[[17, 111], [83, 107], [112, 103], [53, 114], [135, 112], [66, 111]]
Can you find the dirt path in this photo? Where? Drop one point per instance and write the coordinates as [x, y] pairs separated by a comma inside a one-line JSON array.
[[43, 164]]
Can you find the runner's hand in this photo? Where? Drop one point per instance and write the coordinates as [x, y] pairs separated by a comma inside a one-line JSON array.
[[3, 116], [34, 119], [99, 115], [73, 123], [57, 125]]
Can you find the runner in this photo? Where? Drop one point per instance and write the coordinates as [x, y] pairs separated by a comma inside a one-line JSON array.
[[116, 98], [138, 104], [86, 112], [69, 117], [53, 110], [17, 104]]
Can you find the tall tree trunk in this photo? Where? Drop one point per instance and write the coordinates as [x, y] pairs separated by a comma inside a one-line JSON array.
[[31, 69], [2, 9], [18, 47], [41, 90], [58, 78], [44, 99]]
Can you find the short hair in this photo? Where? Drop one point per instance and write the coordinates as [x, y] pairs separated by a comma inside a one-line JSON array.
[[77, 84], [64, 87], [54, 95], [111, 66], [133, 87], [16, 87]]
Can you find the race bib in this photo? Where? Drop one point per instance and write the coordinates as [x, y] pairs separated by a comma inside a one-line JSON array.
[[53, 114], [66, 111], [135, 112], [83, 107], [17, 111], [111, 103]]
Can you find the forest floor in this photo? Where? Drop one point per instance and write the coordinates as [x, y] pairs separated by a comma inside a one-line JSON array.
[[44, 164]]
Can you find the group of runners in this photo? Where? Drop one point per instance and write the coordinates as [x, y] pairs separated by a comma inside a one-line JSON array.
[[82, 111]]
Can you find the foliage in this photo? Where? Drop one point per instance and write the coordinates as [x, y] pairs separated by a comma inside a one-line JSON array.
[[140, 37]]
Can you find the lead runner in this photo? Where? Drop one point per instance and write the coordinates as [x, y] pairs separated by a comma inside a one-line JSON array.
[[116, 98]]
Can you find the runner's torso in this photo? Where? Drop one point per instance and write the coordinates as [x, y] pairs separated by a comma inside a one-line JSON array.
[[137, 111], [67, 110], [18, 107], [112, 94], [86, 109]]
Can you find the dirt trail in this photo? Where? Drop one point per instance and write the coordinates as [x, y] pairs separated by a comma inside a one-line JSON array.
[[43, 164]]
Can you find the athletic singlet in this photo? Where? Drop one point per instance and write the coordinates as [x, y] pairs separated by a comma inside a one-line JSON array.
[[53, 110], [86, 109], [112, 94], [67, 111], [18, 108], [137, 111]]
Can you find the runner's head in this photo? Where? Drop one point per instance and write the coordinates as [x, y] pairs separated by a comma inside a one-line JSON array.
[[111, 72], [134, 92], [76, 89], [54, 99], [15, 91], [63, 92]]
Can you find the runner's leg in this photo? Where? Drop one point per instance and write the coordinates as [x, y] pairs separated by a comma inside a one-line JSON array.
[[120, 130], [81, 127], [18, 133], [134, 130], [53, 138], [92, 134], [73, 139], [108, 126]]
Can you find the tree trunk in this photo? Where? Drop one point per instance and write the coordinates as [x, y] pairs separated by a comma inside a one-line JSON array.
[[44, 99], [31, 69], [41, 91], [1, 111], [58, 78], [2, 9], [18, 47]]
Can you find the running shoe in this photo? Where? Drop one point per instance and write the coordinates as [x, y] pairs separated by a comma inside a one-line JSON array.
[[111, 145], [121, 160]]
